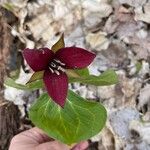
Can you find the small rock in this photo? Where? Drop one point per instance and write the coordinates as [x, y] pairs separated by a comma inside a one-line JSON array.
[[143, 128], [121, 119], [134, 3], [103, 9], [143, 16], [97, 41]]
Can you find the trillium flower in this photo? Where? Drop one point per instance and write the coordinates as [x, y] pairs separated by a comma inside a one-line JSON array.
[[54, 65]]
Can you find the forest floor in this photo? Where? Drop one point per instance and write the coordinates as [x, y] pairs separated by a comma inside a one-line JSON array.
[[118, 31]]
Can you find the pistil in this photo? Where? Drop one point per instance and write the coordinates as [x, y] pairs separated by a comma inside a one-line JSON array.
[[56, 66]]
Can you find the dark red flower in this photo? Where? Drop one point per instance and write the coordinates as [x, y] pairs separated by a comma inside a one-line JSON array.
[[54, 65]]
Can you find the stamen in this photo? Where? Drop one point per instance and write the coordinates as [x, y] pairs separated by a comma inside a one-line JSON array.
[[56, 66], [58, 61], [57, 72], [53, 64], [60, 68], [62, 64], [51, 69]]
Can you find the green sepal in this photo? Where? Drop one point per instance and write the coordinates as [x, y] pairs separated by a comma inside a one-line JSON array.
[[36, 76], [59, 44]]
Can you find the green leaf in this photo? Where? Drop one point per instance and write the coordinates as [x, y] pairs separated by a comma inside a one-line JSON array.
[[109, 77], [59, 44], [30, 86], [79, 120], [36, 76], [82, 72], [77, 73]]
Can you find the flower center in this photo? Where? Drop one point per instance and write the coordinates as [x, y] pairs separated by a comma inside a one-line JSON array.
[[56, 66]]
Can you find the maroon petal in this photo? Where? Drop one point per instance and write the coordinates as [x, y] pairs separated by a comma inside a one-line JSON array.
[[57, 86], [38, 59], [75, 57]]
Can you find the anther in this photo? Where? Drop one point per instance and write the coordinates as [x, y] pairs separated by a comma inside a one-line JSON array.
[[57, 72], [60, 68], [53, 64], [51, 69], [58, 61]]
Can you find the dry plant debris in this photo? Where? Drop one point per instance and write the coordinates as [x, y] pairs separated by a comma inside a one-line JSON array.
[[119, 32]]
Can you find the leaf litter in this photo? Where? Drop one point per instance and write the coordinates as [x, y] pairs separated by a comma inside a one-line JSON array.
[[118, 31]]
